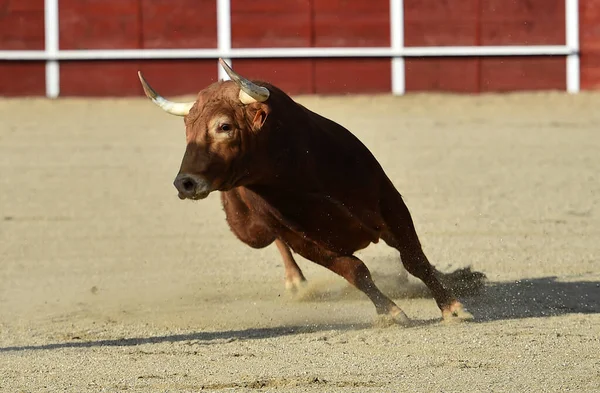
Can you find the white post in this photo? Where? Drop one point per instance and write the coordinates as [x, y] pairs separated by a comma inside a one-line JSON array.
[[397, 44], [51, 48], [223, 34], [572, 31]]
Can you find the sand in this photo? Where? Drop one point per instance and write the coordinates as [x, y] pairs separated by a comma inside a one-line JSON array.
[[110, 283]]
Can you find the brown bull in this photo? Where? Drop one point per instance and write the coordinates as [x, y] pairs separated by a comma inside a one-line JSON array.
[[290, 176]]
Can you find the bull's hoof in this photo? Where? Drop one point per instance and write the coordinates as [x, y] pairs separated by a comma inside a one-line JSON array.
[[456, 313], [294, 285], [396, 318]]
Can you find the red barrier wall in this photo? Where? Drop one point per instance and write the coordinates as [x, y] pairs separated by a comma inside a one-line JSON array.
[[22, 27], [589, 35], [132, 24]]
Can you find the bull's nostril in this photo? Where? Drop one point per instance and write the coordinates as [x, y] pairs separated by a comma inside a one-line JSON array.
[[188, 184]]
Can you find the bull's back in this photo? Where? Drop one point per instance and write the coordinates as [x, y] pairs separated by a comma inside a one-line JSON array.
[[345, 167]]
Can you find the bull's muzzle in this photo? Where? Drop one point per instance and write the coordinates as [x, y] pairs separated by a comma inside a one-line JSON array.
[[192, 186]]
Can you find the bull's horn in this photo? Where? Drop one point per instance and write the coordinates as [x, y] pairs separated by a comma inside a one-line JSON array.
[[249, 92], [174, 108]]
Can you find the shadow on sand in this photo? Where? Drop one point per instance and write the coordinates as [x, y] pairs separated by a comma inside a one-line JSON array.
[[532, 298], [202, 337]]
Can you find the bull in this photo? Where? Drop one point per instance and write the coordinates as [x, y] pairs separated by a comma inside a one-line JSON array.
[[289, 176]]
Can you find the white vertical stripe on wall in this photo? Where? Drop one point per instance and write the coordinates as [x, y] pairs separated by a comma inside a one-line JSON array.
[[572, 31], [223, 34], [397, 43], [51, 48]]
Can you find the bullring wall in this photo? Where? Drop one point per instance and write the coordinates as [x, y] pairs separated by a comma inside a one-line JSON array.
[[160, 24]]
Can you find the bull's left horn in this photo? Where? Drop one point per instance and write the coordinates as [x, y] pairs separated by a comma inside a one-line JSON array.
[[174, 108], [250, 92]]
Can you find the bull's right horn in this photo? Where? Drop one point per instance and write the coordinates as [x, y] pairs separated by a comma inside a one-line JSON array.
[[249, 92], [174, 108]]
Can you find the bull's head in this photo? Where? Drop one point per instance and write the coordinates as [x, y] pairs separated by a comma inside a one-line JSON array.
[[221, 125]]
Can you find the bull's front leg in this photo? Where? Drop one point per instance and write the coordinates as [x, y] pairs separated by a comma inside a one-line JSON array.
[[294, 279], [248, 227], [354, 271], [357, 274]]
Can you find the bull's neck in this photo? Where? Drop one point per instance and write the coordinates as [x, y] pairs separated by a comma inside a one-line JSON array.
[[286, 160], [287, 165]]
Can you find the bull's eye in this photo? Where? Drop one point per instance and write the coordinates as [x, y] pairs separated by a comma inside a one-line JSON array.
[[225, 127]]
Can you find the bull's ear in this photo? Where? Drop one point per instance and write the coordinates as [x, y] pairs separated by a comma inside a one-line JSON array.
[[259, 119]]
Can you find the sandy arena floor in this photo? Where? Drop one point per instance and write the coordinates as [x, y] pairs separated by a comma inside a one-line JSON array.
[[108, 282]]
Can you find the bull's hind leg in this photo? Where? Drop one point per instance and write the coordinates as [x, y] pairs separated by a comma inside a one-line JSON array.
[[294, 279], [401, 234]]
